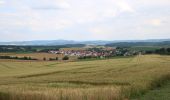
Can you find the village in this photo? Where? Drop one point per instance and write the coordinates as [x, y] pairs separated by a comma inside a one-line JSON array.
[[94, 52]]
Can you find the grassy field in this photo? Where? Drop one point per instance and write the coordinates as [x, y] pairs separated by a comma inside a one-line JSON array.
[[110, 79]]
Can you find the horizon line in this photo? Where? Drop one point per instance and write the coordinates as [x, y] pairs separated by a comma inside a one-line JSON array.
[[89, 40]]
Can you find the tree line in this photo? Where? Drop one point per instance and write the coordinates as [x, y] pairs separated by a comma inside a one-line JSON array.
[[30, 58], [19, 58], [53, 59], [162, 51]]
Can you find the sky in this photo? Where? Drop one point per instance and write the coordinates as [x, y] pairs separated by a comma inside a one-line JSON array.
[[25, 20]]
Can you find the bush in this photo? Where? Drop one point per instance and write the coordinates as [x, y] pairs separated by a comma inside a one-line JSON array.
[[65, 58], [168, 50], [25, 58], [44, 59], [80, 57], [5, 57], [29, 58], [56, 58], [51, 59]]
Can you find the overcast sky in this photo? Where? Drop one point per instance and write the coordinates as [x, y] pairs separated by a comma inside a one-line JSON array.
[[84, 19]]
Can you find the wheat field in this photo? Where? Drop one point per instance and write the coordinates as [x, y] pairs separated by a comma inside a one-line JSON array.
[[38, 56], [110, 79]]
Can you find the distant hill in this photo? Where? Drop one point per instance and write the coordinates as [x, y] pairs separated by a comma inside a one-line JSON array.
[[55, 42], [39, 42], [130, 44], [97, 42]]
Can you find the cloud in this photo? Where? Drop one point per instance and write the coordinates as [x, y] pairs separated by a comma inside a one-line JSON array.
[[77, 12], [63, 4], [2, 2], [51, 25], [46, 8], [103, 32], [125, 7], [96, 11], [52, 5], [154, 2], [26, 17], [98, 19], [155, 22]]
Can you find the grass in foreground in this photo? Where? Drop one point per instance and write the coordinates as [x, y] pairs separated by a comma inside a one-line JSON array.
[[111, 79], [161, 93]]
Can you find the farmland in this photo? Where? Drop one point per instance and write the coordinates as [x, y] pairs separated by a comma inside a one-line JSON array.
[[38, 56], [109, 79]]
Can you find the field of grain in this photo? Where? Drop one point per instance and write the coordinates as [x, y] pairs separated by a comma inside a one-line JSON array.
[[110, 79], [39, 56]]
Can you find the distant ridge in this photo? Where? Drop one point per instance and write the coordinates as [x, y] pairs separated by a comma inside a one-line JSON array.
[[131, 44], [64, 42]]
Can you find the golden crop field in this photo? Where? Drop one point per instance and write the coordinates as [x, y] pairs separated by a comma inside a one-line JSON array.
[[110, 79], [38, 56]]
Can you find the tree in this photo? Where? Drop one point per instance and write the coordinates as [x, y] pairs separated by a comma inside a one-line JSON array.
[[51, 59], [56, 58], [44, 59], [168, 50], [25, 58], [29, 58], [15, 57], [65, 58]]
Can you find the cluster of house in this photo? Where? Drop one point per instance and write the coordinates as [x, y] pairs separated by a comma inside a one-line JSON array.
[[103, 52], [83, 53]]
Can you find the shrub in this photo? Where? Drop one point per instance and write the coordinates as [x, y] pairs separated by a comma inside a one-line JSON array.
[[65, 58], [44, 59], [56, 58], [25, 58], [51, 59]]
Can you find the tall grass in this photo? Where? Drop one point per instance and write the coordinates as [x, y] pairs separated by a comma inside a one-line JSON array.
[[63, 94], [137, 90]]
